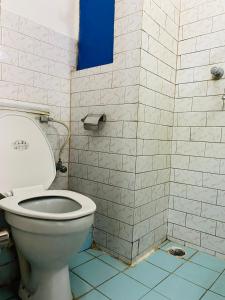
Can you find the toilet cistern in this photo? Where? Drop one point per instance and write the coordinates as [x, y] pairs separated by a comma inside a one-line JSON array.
[[48, 226]]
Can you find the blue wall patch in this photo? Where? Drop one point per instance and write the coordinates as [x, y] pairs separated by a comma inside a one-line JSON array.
[[96, 37]]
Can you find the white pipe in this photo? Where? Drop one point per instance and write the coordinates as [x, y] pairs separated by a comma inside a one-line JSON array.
[[24, 107]]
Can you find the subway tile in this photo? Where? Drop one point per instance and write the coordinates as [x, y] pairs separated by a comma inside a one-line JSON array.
[[213, 212], [192, 119], [202, 194], [201, 224], [189, 235], [188, 177], [215, 150], [203, 164], [214, 181], [120, 246], [212, 243], [211, 40], [122, 179], [177, 217], [197, 28], [207, 134], [15, 74], [121, 213], [188, 206]]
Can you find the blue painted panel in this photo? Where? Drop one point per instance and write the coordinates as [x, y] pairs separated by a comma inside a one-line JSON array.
[[96, 37]]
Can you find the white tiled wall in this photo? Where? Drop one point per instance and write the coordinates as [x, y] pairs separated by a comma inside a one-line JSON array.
[[103, 163], [155, 153], [196, 214], [125, 167], [160, 29], [35, 68]]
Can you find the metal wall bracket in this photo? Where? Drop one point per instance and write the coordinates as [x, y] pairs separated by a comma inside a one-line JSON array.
[[93, 121]]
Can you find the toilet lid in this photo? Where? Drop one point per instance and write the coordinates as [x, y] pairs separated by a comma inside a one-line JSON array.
[[26, 157]]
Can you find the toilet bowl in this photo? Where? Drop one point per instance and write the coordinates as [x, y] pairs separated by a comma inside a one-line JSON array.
[[48, 226]]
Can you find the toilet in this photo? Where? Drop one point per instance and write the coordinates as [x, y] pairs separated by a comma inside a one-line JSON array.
[[48, 226]]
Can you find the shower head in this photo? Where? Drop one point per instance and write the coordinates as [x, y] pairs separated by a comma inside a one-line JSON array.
[[217, 72]]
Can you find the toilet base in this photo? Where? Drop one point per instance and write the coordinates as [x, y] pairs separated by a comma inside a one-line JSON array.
[[48, 285]]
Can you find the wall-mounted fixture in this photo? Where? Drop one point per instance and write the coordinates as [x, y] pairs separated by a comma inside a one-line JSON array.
[[59, 165], [93, 121], [217, 73]]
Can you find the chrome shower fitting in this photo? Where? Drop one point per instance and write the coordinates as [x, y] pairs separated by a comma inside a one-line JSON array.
[[59, 165], [217, 73]]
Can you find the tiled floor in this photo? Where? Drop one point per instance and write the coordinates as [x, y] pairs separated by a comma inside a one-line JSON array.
[[97, 276]]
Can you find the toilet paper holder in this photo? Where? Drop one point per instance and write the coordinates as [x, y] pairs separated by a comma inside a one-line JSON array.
[[93, 121]]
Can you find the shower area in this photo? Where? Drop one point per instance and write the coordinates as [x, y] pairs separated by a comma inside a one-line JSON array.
[[157, 168]]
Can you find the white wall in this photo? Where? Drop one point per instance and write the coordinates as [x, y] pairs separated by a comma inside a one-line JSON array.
[[197, 204], [59, 15]]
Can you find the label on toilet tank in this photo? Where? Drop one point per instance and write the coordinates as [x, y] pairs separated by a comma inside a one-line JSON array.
[[20, 145]]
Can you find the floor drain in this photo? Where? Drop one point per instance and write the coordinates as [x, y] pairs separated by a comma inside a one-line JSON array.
[[177, 252]]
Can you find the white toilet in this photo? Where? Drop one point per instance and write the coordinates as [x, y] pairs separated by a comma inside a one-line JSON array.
[[48, 226]]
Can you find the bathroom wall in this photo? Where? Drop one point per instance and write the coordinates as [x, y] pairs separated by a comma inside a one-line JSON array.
[[36, 64], [197, 204], [160, 26], [35, 68], [125, 167], [103, 163], [64, 14]]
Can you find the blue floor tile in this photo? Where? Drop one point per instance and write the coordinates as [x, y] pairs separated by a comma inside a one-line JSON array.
[[79, 287], [147, 274], [208, 261], [189, 251], [79, 259], [122, 287], [219, 286], [197, 274], [176, 288], [211, 296], [153, 296], [95, 252], [95, 272], [165, 261], [94, 295], [117, 264]]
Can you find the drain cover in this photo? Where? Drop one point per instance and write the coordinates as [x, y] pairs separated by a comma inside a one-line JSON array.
[[177, 252]]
